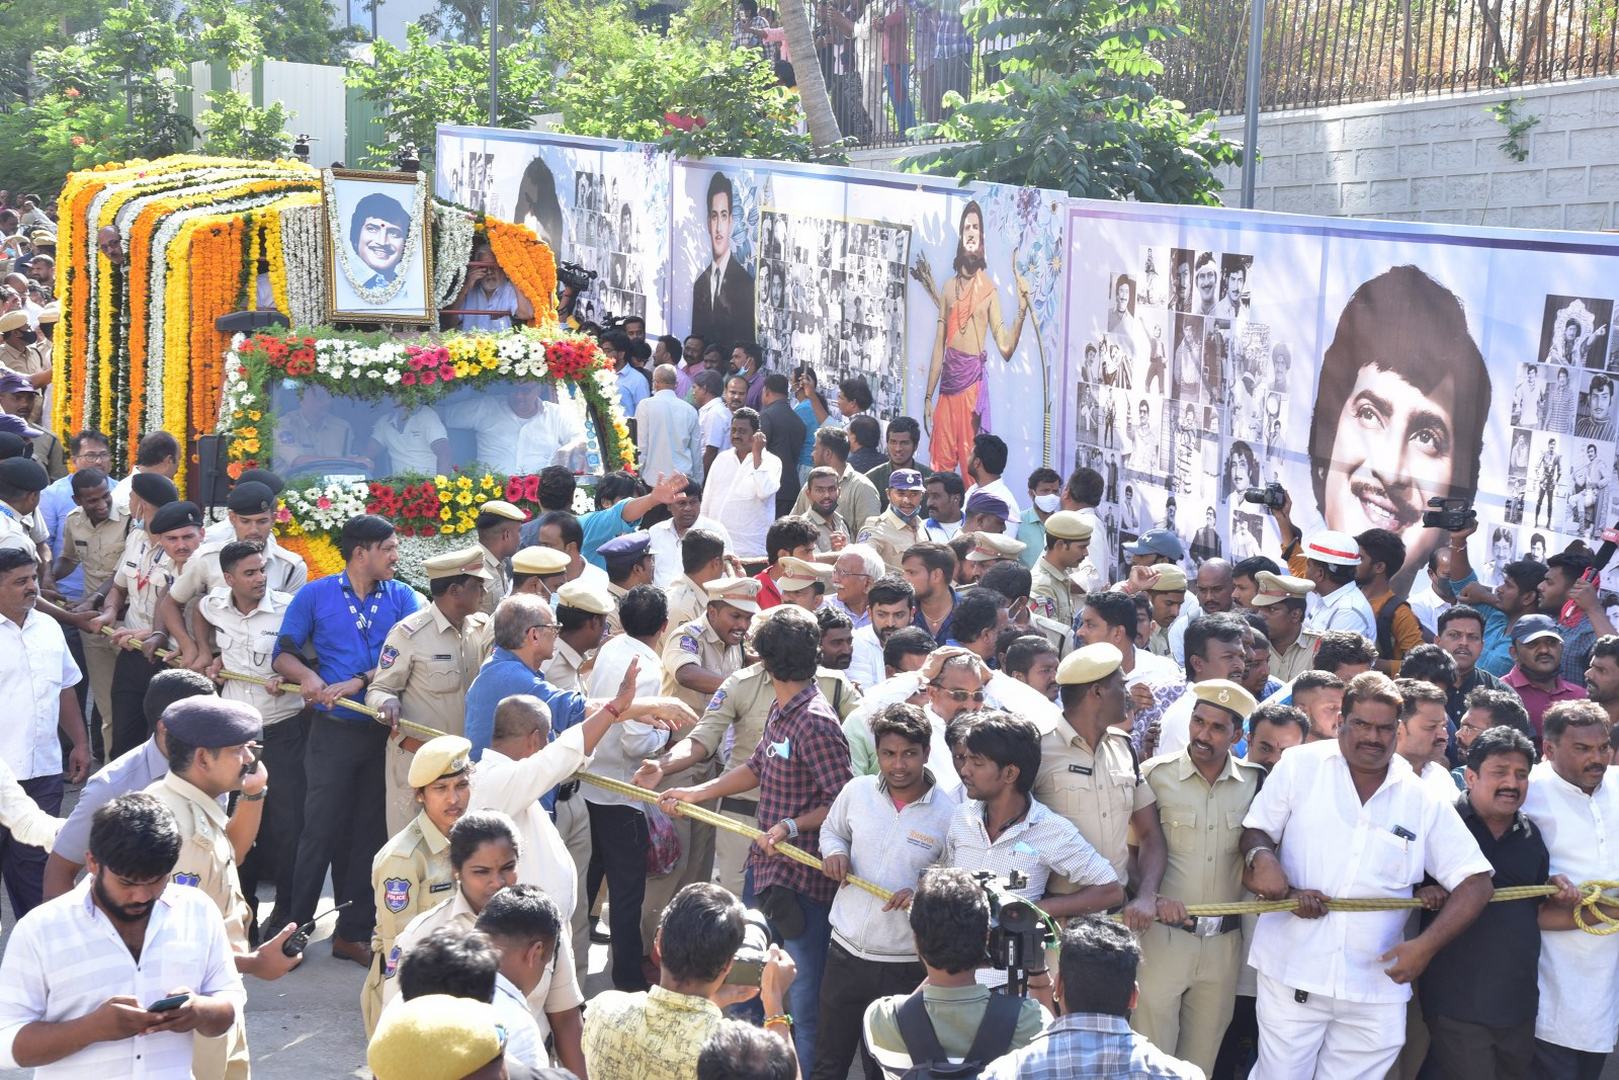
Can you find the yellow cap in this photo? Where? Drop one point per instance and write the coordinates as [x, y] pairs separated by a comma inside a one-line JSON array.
[[800, 574], [502, 508], [992, 547], [539, 560], [581, 594], [435, 1037], [467, 561], [741, 593], [447, 755], [1226, 694], [1089, 664], [1274, 588], [1068, 525], [1169, 578]]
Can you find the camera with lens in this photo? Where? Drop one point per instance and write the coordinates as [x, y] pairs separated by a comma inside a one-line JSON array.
[[1272, 496], [574, 276], [1018, 931], [749, 963], [1452, 515]]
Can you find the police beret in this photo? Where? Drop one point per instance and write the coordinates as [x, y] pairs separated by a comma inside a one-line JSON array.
[[447, 755], [1168, 577], [631, 547], [1226, 694], [23, 474], [1088, 664], [584, 596], [155, 488], [983, 502], [435, 1037], [13, 320], [15, 382], [463, 562], [22, 429], [174, 515], [211, 722], [1068, 525], [497, 511], [251, 498], [539, 560], [262, 476], [13, 445], [905, 480], [991, 547]]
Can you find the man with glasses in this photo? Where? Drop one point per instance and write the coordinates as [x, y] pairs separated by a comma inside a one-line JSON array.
[[89, 449], [852, 576]]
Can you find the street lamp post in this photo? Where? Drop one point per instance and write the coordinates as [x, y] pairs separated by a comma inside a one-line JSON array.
[[1250, 121], [494, 69]]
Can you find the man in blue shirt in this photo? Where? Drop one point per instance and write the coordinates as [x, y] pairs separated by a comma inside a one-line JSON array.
[[623, 501], [345, 619]]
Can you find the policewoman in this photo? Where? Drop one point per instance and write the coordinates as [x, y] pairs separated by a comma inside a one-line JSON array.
[[412, 871]]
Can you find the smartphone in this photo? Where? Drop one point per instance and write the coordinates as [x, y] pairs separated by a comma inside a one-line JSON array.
[[168, 1003]]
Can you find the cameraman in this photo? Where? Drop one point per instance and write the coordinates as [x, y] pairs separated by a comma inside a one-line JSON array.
[[658, 1034], [950, 920]]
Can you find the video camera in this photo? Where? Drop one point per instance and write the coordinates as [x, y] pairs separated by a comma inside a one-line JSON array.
[[1272, 496], [749, 963], [1018, 931], [1452, 515], [575, 277]]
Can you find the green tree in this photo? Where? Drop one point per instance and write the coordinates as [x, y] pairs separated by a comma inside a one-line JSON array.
[[429, 83], [1074, 109], [234, 127]]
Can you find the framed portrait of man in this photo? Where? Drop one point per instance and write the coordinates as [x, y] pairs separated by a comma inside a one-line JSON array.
[[379, 252]]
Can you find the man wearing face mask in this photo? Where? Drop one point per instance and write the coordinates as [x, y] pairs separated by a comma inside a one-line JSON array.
[[900, 526], [22, 351]]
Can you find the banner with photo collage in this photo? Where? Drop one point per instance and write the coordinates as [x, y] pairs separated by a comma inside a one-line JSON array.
[[1367, 367]]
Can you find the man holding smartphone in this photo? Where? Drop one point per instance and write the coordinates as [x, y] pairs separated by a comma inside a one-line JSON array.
[[75, 994]]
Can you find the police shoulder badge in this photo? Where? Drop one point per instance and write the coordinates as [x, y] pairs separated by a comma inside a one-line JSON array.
[[389, 655], [395, 894], [688, 643], [717, 700], [183, 878]]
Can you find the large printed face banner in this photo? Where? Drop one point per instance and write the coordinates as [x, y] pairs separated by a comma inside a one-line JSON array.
[[947, 298], [599, 204], [1367, 367]]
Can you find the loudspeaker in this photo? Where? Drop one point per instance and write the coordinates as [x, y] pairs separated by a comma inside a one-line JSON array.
[[212, 485]]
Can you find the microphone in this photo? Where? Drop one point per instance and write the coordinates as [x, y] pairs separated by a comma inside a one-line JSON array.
[[1571, 613]]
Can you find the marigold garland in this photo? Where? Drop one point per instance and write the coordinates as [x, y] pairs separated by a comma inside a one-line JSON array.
[[529, 263]]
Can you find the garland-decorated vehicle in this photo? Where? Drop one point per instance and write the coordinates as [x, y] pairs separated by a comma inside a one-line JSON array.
[[359, 399]]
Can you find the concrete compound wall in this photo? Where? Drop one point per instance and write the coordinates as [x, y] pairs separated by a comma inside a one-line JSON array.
[[1439, 159]]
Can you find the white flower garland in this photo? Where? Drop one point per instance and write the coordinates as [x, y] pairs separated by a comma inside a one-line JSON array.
[[301, 240], [383, 294], [456, 231], [325, 508]]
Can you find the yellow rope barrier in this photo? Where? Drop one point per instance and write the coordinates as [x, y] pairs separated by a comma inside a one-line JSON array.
[[1589, 915]]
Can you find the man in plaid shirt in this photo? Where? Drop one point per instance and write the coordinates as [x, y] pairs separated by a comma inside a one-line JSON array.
[[1096, 989], [801, 764]]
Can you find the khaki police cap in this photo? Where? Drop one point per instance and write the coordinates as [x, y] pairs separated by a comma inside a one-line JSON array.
[[1068, 525], [1274, 588], [991, 547], [436, 1037], [584, 596], [1226, 694], [462, 561], [799, 574], [447, 755], [539, 560], [501, 508], [1088, 664], [740, 592], [1168, 578], [13, 320]]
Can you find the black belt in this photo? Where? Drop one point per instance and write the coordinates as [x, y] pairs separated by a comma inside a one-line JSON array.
[[740, 806], [567, 791], [1210, 925]]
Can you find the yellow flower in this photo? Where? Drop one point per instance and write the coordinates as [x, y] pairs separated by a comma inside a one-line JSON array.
[[445, 514]]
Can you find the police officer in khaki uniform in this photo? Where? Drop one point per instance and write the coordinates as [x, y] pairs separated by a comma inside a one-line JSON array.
[[1280, 599], [539, 570], [697, 659], [582, 609], [22, 351], [428, 660], [702, 557], [898, 527], [629, 562], [21, 400], [821, 494], [412, 871], [1068, 540], [741, 706], [499, 525], [1088, 774], [1166, 593], [803, 582], [93, 535], [1189, 968], [210, 745], [989, 549], [311, 432]]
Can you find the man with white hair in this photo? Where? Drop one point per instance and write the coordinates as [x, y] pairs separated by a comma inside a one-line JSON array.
[[856, 568], [666, 428]]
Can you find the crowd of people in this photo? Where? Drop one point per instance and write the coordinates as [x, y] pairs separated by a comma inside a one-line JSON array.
[[934, 683]]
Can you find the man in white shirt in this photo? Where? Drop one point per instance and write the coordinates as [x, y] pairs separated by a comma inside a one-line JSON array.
[[685, 514], [488, 289], [985, 467], [667, 430], [713, 414], [414, 440], [519, 433], [1425, 602], [39, 674], [741, 490], [1352, 821], [1330, 561], [81, 972], [1572, 800], [523, 925], [1424, 734]]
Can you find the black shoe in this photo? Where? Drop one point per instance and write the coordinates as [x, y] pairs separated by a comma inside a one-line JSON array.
[[598, 936]]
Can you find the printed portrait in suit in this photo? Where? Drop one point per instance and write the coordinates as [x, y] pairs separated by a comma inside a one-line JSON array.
[[722, 296]]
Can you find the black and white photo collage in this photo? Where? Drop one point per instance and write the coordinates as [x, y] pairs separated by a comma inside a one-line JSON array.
[[1561, 462], [1182, 403], [604, 240], [831, 293]]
